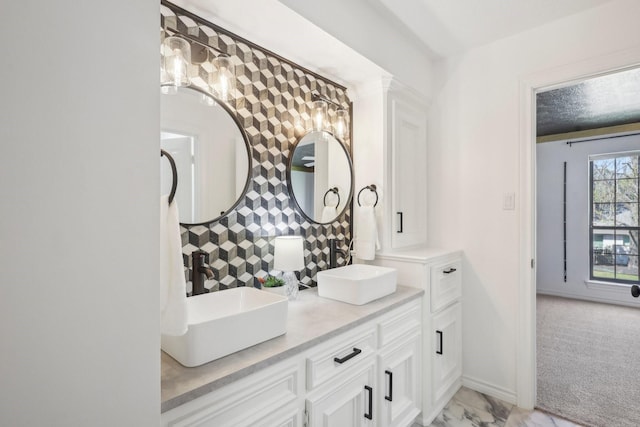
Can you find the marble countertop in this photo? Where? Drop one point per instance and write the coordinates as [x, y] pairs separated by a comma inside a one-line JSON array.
[[311, 320], [419, 254]]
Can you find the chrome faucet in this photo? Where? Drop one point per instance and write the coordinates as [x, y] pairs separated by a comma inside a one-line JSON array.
[[200, 270], [333, 253]]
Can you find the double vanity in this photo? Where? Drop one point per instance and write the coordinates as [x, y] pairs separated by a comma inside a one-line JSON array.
[[375, 364], [374, 344]]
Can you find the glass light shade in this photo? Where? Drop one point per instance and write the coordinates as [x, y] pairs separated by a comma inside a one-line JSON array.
[[168, 89], [318, 115], [207, 100], [288, 253], [222, 78], [177, 58], [341, 123]]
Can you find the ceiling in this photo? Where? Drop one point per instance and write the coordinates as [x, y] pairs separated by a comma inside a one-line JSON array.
[[448, 27], [443, 28], [596, 103]]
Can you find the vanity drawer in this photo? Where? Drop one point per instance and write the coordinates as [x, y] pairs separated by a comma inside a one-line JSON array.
[[337, 357], [446, 283], [267, 398], [399, 322]]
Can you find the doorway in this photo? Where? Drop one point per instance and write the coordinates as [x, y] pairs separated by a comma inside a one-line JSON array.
[[529, 86], [587, 152]]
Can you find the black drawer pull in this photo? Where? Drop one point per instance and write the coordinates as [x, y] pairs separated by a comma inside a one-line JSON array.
[[440, 350], [369, 415], [390, 396], [400, 230], [354, 353], [450, 270]]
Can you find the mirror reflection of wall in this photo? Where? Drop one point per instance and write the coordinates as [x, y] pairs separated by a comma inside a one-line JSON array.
[[320, 176], [210, 152]]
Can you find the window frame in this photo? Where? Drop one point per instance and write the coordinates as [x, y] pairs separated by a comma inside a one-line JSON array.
[[614, 228]]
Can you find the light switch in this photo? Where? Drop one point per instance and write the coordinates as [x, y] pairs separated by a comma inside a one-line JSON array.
[[509, 201]]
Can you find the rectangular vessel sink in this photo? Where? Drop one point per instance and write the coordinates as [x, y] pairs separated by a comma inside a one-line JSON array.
[[357, 284], [221, 323]]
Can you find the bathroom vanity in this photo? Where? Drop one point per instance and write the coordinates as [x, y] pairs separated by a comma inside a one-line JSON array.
[[439, 273], [336, 364]]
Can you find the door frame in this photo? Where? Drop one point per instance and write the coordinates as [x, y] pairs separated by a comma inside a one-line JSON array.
[[529, 86]]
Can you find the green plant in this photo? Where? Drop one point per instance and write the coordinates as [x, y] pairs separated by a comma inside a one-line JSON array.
[[271, 282]]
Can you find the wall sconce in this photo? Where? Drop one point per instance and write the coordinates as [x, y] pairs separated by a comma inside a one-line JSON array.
[[180, 52], [319, 109], [341, 123], [318, 115], [177, 59], [222, 79]]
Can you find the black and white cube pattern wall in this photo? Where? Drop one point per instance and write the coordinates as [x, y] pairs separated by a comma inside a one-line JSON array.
[[273, 97]]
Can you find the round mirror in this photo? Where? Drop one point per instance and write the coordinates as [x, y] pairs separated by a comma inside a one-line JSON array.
[[320, 177], [211, 154]]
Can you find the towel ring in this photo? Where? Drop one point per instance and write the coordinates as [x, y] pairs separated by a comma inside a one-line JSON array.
[[333, 190], [371, 187], [174, 173]]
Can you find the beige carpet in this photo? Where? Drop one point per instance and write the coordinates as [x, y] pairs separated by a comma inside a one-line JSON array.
[[588, 357]]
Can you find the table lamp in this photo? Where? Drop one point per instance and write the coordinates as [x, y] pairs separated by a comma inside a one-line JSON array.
[[289, 257]]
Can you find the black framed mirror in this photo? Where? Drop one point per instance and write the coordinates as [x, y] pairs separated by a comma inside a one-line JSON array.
[[211, 152], [320, 177]]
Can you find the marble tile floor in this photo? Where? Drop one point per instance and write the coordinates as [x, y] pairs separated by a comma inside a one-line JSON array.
[[469, 408]]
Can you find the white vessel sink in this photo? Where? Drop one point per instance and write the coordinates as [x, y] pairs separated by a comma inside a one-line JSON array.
[[221, 323], [357, 283]]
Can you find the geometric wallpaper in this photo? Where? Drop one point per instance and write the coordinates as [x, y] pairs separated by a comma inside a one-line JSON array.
[[273, 98]]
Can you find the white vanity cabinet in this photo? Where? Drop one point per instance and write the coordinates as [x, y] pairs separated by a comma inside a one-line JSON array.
[[439, 273], [269, 398], [368, 375], [369, 386], [348, 401], [406, 167], [399, 380]]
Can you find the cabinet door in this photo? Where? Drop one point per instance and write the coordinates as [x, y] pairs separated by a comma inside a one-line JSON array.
[[400, 382], [446, 350], [408, 174], [350, 403]]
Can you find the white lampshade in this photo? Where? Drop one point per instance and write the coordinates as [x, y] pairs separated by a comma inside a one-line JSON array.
[[288, 253]]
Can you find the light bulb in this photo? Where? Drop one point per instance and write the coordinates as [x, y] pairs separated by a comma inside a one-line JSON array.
[[318, 114], [340, 123], [222, 78], [177, 57]]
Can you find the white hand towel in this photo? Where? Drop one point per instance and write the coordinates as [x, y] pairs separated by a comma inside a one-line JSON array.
[[329, 213], [173, 292], [366, 241]]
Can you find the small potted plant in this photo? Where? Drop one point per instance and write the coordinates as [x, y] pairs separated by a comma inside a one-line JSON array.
[[272, 284]]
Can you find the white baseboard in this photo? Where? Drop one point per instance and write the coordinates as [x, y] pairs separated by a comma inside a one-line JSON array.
[[489, 389], [633, 302]]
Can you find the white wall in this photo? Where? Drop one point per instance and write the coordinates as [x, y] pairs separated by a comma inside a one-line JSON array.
[[79, 187], [474, 134], [550, 277]]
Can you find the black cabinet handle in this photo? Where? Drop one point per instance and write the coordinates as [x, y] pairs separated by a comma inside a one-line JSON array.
[[390, 396], [440, 334], [369, 415], [354, 353], [400, 230], [450, 270]]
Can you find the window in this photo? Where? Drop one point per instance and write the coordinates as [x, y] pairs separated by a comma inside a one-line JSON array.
[[614, 217]]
